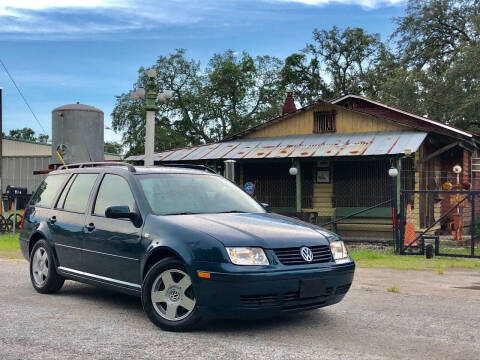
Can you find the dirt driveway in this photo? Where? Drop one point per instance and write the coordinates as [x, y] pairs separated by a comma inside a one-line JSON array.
[[433, 317]]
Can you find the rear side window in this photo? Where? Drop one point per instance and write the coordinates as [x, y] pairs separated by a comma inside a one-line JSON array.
[[114, 191], [76, 197], [47, 190]]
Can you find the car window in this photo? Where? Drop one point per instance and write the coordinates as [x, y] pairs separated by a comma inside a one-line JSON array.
[[61, 199], [114, 191], [79, 192], [170, 194], [47, 190]]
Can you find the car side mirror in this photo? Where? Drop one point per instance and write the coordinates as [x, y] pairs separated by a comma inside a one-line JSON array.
[[120, 212], [266, 207]]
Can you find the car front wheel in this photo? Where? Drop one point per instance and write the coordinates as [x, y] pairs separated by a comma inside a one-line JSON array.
[[168, 298]]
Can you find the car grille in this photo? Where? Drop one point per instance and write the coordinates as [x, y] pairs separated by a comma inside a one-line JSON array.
[[286, 300], [291, 256]]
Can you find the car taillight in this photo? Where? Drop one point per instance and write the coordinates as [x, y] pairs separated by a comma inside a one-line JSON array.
[[23, 218]]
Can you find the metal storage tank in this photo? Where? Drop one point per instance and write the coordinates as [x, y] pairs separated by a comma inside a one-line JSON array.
[[77, 130]]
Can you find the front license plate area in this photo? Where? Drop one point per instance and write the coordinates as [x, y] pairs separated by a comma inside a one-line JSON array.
[[312, 288]]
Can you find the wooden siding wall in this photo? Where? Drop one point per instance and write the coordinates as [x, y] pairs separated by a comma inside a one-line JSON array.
[[347, 121]]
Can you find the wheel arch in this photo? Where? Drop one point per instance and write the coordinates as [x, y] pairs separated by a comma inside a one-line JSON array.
[[157, 254], [34, 238]]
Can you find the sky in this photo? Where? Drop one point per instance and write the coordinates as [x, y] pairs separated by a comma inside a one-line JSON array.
[[63, 51]]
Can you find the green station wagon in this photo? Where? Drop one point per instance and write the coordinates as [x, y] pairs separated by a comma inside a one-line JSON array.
[[192, 244]]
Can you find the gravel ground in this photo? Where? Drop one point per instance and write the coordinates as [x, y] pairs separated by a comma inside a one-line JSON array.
[[434, 316]]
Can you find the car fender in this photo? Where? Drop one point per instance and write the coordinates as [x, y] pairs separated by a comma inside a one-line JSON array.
[[44, 231]]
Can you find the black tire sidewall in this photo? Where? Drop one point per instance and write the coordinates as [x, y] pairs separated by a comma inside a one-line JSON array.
[[54, 281], [186, 324]]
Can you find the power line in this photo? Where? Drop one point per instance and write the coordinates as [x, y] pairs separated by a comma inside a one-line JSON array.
[[21, 94]]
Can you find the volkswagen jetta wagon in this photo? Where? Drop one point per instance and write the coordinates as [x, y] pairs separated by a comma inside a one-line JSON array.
[[190, 243]]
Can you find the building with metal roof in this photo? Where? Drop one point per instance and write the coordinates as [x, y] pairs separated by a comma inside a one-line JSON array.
[[341, 152]]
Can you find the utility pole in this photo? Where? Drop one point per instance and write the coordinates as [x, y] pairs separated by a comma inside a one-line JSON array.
[[151, 107]]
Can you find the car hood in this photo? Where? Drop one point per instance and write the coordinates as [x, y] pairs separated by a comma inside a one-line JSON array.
[[265, 230]]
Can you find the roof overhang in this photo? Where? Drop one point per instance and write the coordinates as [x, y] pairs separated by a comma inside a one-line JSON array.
[[418, 117], [299, 146]]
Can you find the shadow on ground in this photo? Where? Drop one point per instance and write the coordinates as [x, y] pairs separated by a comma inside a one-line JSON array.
[[111, 299]]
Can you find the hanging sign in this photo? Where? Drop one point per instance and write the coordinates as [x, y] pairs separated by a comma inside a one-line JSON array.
[[249, 188]]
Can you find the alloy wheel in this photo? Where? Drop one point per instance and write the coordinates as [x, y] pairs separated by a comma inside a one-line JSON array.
[[172, 295], [40, 266]]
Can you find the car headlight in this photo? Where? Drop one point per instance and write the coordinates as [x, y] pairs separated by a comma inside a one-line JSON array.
[[247, 256], [339, 252]]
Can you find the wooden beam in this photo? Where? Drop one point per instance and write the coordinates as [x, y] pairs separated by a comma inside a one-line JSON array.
[[441, 151]]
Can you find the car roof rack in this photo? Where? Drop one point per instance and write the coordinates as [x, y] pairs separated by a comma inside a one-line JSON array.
[[130, 167], [192, 166]]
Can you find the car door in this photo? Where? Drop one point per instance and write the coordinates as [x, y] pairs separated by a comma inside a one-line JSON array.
[[67, 220], [112, 247], [39, 209]]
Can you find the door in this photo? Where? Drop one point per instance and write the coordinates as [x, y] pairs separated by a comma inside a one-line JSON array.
[[67, 220], [112, 247]]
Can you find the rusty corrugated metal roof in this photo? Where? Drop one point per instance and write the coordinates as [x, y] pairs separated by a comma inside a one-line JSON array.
[[298, 146]]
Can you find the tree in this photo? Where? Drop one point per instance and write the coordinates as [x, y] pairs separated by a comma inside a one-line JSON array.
[[230, 94], [334, 64], [23, 134], [438, 42], [242, 92], [43, 138], [113, 147], [434, 32]]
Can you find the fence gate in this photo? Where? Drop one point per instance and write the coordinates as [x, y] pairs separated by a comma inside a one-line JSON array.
[[442, 220]]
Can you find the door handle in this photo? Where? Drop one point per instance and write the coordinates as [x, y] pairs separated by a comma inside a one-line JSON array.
[[90, 227], [53, 220]]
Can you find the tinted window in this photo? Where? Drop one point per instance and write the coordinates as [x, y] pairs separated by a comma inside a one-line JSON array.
[[77, 196], [61, 200], [47, 190], [114, 191]]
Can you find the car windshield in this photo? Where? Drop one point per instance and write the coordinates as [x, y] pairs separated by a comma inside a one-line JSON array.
[[181, 194]]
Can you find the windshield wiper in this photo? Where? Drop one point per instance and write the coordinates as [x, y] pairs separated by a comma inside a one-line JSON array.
[[232, 212], [183, 213]]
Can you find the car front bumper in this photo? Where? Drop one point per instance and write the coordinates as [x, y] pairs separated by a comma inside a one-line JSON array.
[[259, 294]]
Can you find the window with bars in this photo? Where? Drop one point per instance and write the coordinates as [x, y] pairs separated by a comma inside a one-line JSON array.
[[361, 183], [324, 121]]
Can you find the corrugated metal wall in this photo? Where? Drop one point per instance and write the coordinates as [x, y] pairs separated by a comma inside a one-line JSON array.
[[24, 148], [18, 171]]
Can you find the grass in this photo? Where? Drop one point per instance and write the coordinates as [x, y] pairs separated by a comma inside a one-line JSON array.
[[393, 289], [386, 259], [9, 246]]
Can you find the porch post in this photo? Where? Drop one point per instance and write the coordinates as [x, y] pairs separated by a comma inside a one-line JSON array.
[[399, 182], [398, 210], [298, 179]]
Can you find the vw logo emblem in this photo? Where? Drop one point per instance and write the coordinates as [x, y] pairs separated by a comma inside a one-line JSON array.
[[306, 253]]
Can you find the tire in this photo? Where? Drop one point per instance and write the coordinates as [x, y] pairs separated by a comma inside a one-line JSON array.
[[43, 273], [177, 308]]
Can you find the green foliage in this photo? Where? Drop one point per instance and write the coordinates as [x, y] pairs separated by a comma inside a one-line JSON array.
[[27, 134], [23, 134], [43, 138], [334, 64], [438, 44], [113, 147], [430, 70], [231, 94]]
